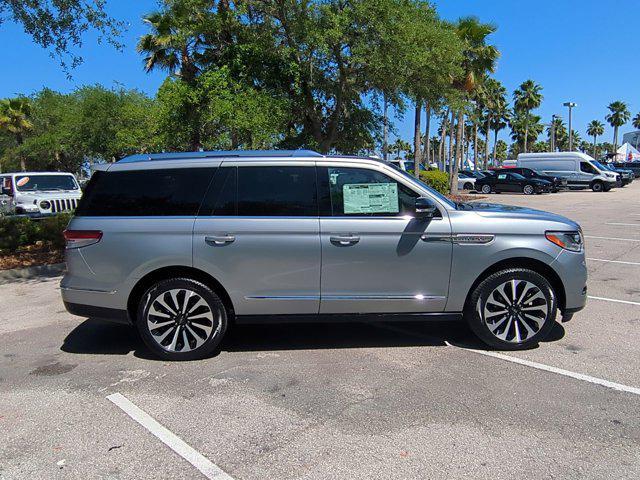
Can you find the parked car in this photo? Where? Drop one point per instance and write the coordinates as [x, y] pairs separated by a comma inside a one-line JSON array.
[[466, 181], [557, 183], [183, 244], [579, 169], [633, 166], [507, 181], [40, 193], [626, 175], [473, 173]]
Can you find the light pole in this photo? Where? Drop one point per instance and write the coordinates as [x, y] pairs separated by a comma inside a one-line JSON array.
[[570, 105], [552, 133]]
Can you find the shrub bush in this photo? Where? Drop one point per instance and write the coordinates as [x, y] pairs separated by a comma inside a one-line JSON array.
[[437, 180], [17, 232]]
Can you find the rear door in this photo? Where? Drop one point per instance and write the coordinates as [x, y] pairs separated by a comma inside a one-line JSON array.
[[375, 256], [258, 234]]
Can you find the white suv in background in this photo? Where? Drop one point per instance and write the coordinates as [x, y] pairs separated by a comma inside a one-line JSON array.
[[40, 193]]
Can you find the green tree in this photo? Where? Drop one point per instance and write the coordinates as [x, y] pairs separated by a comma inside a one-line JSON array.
[[526, 97], [479, 59], [618, 116], [60, 25], [15, 121], [540, 146], [636, 121], [559, 131], [595, 129], [500, 151], [525, 126]]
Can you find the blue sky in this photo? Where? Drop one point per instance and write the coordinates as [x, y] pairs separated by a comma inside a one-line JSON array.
[[583, 51]]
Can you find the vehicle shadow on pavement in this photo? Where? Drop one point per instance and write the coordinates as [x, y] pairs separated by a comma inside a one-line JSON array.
[[98, 337]]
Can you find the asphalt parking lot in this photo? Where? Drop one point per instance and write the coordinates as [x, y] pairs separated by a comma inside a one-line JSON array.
[[340, 401]]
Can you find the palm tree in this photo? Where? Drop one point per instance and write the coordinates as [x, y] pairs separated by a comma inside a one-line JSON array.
[[499, 121], [178, 45], [527, 97], [636, 121], [618, 117], [495, 99], [14, 120], [478, 60], [595, 129]]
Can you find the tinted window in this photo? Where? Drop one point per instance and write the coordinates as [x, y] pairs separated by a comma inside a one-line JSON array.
[[359, 191], [33, 183], [221, 198], [586, 167], [277, 191], [166, 192]]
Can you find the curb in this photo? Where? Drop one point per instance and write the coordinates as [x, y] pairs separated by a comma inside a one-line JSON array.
[[31, 273]]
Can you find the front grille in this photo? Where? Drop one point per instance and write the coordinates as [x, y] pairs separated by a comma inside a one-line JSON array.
[[63, 205]]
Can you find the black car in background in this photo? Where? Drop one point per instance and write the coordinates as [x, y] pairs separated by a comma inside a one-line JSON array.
[[509, 181], [557, 183], [633, 166], [626, 175]]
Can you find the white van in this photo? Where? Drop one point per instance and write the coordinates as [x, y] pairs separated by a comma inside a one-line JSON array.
[[579, 169]]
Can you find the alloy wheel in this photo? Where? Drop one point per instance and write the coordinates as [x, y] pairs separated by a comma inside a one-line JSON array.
[[528, 189], [486, 189], [514, 311], [180, 320]]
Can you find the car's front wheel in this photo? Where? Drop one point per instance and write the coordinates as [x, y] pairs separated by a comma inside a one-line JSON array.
[[528, 190], [181, 319], [486, 188], [512, 309]]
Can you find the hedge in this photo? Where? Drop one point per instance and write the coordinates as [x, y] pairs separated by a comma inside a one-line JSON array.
[[17, 232], [437, 180]]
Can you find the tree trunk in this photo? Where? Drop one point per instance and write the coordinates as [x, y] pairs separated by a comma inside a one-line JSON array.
[[385, 135], [487, 143], [495, 146], [475, 144], [526, 134], [441, 147], [459, 148], [451, 140], [417, 139], [615, 139], [427, 134], [594, 147]]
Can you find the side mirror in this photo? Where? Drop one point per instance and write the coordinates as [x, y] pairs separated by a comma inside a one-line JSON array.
[[425, 208]]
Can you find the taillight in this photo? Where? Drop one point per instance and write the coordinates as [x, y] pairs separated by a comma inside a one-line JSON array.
[[81, 238]]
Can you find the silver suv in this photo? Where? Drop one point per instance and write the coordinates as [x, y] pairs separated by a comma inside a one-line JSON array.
[[183, 244]]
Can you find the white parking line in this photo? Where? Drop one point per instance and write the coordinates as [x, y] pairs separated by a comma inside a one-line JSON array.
[[170, 439], [612, 261], [615, 300], [624, 224], [560, 371], [540, 366], [614, 238]]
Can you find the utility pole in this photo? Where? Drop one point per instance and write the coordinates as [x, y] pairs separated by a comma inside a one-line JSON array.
[[552, 134], [570, 105]]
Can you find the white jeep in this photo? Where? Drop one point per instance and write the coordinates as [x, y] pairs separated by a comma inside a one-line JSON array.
[[39, 193]]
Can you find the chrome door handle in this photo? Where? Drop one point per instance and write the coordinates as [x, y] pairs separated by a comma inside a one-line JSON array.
[[345, 239], [219, 239]]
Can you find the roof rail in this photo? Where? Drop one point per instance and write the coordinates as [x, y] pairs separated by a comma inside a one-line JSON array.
[[145, 157]]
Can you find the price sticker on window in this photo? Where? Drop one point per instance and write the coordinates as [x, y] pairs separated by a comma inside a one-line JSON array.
[[370, 198]]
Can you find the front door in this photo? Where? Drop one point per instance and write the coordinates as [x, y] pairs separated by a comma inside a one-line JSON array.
[[375, 256], [258, 234]]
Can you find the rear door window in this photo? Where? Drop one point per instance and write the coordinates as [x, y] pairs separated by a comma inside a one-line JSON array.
[[140, 193]]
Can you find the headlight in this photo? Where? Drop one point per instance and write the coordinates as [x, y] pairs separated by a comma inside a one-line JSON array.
[[45, 205], [571, 241]]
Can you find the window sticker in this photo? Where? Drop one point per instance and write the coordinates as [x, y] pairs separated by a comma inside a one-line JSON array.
[[370, 198], [23, 181], [502, 176]]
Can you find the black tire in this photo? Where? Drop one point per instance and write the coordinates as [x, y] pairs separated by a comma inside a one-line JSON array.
[[528, 189], [477, 302], [186, 329], [467, 186], [597, 186], [486, 188]]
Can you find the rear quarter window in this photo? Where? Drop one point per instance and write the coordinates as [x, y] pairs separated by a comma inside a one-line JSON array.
[[161, 192]]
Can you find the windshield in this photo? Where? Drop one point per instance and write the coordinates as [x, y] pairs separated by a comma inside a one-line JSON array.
[[34, 183], [599, 165], [421, 184]]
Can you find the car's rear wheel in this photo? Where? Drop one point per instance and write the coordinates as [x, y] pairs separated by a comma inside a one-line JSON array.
[[181, 319], [512, 309], [468, 186], [486, 188], [528, 189]]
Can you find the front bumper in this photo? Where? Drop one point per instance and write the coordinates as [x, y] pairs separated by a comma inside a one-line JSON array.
[[572, 270]]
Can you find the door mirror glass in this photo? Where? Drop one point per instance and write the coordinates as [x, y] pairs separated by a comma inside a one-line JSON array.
[[425, 208]]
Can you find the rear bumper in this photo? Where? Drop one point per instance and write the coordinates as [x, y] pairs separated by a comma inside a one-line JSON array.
[[103, 313]]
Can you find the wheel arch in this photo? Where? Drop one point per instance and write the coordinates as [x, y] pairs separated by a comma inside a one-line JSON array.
[[177, 271], [524, 262]]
